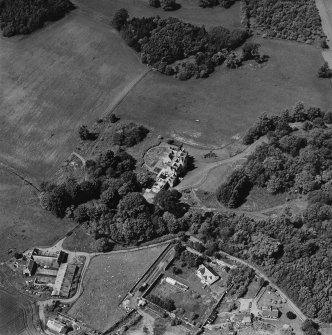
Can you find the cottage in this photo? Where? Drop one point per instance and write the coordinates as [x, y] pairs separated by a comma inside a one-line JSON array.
[[56, 327], [30, 268], [207, 275]]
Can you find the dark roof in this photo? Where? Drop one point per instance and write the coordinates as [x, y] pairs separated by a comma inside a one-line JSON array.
[[31, 265]]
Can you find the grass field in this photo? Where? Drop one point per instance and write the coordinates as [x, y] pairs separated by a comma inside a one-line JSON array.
[[189, 11], [229, 101], [106, 283], [23, 223], [11, 315], [61, 76]]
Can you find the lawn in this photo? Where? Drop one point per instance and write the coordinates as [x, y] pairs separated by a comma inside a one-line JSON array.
[[189, 11], [23, 222], [188, 300], [68, 73], [106, 283], [228, 102]]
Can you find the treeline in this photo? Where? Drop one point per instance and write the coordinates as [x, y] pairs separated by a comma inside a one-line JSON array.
[[110, 204], [292, 161], [297, 20], [175, 47], [25, 16], [213, 3], [293, 251]]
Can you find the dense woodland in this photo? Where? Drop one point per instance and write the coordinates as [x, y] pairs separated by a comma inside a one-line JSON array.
[[25, 16], [297, 20], [293, 251], [296, 159], [110, 202], [175, 47]]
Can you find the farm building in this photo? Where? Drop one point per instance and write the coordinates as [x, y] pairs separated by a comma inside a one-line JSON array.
[[207, 275], [49, 259], [30, 268], [56, 327], [270, 312]]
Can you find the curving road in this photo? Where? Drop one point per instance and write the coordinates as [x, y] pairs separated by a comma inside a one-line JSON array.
[[291, 303]]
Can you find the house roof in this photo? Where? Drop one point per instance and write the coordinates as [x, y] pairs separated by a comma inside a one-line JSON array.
[[271, 312], [207, 274], [31, 265]]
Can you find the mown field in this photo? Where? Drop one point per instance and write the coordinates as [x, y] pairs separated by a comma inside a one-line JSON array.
[[11, 315], [107, 281], [23, 223], [189, 11], [228, 102], [69, 73]]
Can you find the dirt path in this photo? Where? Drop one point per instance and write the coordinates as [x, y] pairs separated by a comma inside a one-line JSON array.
[[325, 11], [199, 175]]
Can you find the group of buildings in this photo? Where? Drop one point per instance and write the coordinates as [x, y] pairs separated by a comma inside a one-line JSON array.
[[170, 166], [50, 269]]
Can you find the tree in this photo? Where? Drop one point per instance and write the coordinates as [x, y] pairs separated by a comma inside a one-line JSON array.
[[110, 197], [168, 200], [59, 200], [120, 18], [208, 3], [168, 5], [235, 189], [84, 133], [154, 3], [250, 51], [325, 71], [132, 204]]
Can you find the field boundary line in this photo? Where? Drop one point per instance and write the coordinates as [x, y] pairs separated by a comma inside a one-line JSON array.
[[17, 174]]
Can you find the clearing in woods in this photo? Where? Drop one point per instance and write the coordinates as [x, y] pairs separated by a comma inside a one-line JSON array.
[[106, 283], [68, 73]]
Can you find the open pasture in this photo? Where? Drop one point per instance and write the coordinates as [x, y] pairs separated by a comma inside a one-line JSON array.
[[107, 281], [228, 102], [23, 222], [189, 11], [68, 73]]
